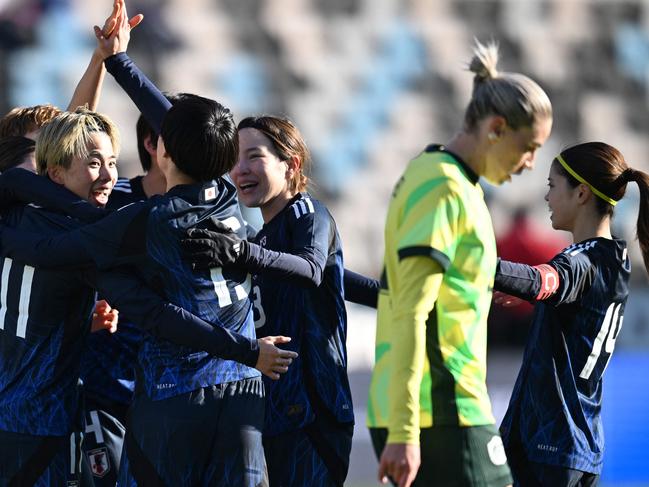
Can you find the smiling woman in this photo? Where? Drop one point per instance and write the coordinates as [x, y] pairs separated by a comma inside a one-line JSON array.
[[308, 418], [79, 151]]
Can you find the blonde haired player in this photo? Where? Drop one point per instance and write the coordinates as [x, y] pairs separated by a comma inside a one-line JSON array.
[[428, 386]]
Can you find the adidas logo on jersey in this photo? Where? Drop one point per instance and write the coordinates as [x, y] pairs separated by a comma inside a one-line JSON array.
[[303, 207]]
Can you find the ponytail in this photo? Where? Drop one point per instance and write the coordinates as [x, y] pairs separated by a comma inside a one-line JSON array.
[[515, 97], [642, 179]]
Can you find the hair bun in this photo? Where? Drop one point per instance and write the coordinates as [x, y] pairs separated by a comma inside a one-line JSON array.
[[484, 61]]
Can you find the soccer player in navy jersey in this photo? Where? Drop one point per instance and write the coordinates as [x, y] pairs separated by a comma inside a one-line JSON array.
[[196, 418], [44, 312], [552, 429], [297, 265], [108, 360], [152, 182], [44, 317]]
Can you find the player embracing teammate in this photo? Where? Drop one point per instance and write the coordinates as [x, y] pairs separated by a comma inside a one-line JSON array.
[[198, 411]]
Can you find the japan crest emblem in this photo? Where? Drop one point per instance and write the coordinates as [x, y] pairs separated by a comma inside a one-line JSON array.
[[99, 462]]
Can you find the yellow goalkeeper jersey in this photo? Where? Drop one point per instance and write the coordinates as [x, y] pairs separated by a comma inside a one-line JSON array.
[[432, 370]]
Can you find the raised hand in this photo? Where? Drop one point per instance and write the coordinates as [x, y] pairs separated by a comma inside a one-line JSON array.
[[104, 317], [111, 21], [274, 361], [119, 27]]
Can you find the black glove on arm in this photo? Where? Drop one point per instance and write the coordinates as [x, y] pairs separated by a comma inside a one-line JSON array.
[[206, 249]]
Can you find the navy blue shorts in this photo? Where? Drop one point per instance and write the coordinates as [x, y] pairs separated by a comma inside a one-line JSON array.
[[210, 436], [316, 455], [41, 461], [533, 474]]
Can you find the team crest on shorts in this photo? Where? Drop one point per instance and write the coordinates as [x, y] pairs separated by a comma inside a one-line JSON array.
[[99, 462], [496, 451]]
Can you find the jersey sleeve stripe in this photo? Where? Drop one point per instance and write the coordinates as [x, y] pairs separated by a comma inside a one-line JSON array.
[[303, 207], [6, 269], [25, 298], [440, 257], [310, 205]]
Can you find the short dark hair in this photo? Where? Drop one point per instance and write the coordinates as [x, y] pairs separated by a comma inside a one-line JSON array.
[[144, 130], [200, 137], [13, 150]]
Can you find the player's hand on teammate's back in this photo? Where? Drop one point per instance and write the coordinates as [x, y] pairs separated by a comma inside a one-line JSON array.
[[206, 249], [116, 32], [272, 360], [104, 317], [399, 461]]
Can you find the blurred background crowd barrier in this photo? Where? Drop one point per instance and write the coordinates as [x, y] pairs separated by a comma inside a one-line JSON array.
[[370, 83]]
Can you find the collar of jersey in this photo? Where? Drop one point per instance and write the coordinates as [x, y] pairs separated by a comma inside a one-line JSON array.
[[295, 198], [468, 172], [193, 193]]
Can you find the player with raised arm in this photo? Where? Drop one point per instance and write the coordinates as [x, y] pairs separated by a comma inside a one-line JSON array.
[[218, 404], [108, 361], [27, 121], [553, 429], [429, 412], [44, 312]]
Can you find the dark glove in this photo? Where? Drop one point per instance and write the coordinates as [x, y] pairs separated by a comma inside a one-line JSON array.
[[206, 249]]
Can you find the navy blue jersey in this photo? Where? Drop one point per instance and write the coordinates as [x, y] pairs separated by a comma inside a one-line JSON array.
[[555, 408], [125, 192], [312, 315], [145, 236], [218, 296], [108, 361], [44, 318], [119, 286]]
